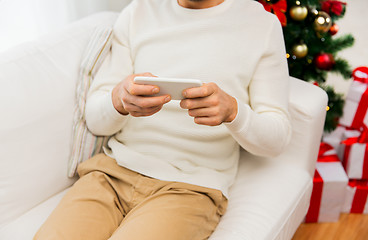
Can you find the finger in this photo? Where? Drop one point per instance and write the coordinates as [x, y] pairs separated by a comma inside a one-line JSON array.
[[199, 102], [141, 89], [147, 112], [209, 121], [145, 74], [205, 90], [135, 103], [149, 102], [204, 112], [138, 111]]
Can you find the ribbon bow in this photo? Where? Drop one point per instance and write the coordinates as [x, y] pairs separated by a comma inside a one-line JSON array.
[[363, 138], [363, 184], [323, 148], [279, 8], [360, 74], [335, 7]]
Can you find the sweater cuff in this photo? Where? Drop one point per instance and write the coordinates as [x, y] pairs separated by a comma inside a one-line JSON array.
[[241, 121], [110, 109]]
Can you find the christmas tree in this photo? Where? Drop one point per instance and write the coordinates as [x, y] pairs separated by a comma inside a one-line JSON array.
[[309, 27]]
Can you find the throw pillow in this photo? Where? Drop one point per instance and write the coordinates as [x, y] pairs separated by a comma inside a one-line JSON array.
[[84, 143]]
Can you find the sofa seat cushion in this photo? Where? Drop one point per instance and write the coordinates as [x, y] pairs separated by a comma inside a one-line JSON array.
[[26, 226], [268, 201], [275, 203]]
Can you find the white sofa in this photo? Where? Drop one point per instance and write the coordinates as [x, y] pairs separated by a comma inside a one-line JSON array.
[[37, 86]]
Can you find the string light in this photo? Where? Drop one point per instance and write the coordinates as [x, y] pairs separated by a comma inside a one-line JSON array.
[[327, 108]]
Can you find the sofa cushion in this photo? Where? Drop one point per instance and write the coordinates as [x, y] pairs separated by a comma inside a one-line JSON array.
[[267, 202], [30, 221], [84, 143], [37, 92]]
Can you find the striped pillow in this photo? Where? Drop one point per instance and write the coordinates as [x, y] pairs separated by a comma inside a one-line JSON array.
[[84, 143]]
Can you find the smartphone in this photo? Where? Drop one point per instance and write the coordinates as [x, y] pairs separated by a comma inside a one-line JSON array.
[[172, 86]]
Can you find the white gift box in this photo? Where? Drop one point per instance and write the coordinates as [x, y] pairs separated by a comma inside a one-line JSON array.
[[356, 198], [355, 108], [329, 186], [354, 157], [334, 138]]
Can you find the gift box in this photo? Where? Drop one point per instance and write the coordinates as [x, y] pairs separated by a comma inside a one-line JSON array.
[[356, 197], [329, 186], [355, 154], [356, 104], [334, 138]]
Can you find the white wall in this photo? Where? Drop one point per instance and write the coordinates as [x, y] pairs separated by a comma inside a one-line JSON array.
[[26, 20], [86, 7]]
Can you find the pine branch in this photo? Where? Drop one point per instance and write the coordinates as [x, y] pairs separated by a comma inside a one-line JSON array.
[[335, 107], [342, 67], [338, 44]]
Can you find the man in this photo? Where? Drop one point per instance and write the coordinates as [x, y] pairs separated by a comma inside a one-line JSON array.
[[169, 164]]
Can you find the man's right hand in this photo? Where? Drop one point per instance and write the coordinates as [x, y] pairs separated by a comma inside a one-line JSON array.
[[134, 99]]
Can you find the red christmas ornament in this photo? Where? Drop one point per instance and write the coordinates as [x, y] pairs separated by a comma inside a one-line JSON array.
[[279, 8], [333, 29], [324, 61], [335, 7]]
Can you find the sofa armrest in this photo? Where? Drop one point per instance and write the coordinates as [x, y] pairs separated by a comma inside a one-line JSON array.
[[307, 107], [270, 196]]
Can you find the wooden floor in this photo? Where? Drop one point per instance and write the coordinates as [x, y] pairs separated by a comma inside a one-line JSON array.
[[349, 227]]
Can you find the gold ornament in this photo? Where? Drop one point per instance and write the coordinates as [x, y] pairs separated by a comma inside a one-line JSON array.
[[300, 50], [323, 22], [298, 13]]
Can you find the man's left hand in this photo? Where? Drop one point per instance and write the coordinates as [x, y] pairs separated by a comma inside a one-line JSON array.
[[209, 105]]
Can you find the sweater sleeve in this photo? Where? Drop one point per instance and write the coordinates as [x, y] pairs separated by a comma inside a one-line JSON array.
[[101, 116], [263, 127]]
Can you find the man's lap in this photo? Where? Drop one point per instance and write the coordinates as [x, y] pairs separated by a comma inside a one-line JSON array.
[[111, 199]]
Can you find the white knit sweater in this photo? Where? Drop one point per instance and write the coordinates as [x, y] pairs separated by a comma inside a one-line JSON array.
[[237, 45]]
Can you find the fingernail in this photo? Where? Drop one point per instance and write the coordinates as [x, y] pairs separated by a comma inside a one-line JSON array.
[[184, 93], [167, 99], [155, 90]]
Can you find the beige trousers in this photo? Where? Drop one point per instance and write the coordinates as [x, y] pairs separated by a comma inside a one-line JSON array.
[[112, 202]]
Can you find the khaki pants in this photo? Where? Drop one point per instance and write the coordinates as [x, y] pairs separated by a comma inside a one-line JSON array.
[[112, 202]]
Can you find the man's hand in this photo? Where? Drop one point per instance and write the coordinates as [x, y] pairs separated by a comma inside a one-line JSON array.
[[209, 105], [133, 99]]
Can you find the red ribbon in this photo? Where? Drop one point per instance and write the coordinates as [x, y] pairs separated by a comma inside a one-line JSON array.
[[365, 161], [316, 198], [335, 7], [361, 111], [360, 74], [323, 148], [360, 197], [362, 139], [279, 9]]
